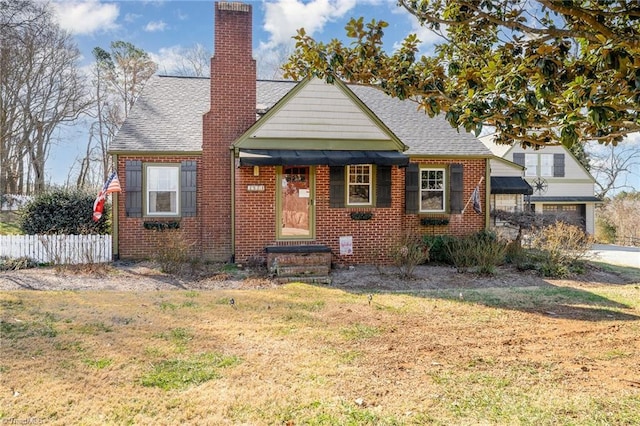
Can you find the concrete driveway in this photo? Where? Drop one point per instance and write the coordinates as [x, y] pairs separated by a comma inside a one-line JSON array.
[[616, 255]]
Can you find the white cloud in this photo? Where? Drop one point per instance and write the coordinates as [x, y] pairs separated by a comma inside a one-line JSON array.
[[86, 17], [169, 59], [284, 17], [155, 26], [131, 17]]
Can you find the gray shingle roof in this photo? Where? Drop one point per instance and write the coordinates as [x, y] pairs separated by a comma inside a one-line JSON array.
[[422, 134], [168, 117]]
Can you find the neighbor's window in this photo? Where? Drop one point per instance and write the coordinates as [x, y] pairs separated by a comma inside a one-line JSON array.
[[432, 185], [531, 163], [546, 164], [507, 202], [359, 183], [162, 185]]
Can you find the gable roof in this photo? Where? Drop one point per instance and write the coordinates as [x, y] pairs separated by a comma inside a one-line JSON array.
[[167, 117], [499, 150], [314, 115]]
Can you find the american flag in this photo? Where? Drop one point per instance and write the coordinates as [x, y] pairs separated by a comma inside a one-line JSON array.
[[111, 185]]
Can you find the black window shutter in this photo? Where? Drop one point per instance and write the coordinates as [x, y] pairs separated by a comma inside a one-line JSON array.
[[188, 188], [558, 165], [456, 188], [383, 186], [518, 158], [336, 186], [412, 189], [133, 191]]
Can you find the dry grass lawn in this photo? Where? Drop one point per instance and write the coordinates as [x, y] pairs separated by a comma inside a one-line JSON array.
[[313, 355]]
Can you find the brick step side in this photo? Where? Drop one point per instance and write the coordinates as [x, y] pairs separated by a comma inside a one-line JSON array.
[[302, 270], [308, 280], [296, 264]]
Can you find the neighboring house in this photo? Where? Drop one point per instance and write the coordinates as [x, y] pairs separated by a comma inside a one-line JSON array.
[[244, 167], [509, 192], [559, 182]]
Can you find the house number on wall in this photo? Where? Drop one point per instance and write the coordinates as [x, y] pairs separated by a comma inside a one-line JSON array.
[[255, 188]]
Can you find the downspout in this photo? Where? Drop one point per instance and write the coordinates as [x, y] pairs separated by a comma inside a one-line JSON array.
[[233, 204], [115, 253]]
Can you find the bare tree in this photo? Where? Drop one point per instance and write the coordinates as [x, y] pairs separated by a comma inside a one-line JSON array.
[[613, 165], [195, 61], [118, 78], [620, 214], [41, 89], [271, 61]]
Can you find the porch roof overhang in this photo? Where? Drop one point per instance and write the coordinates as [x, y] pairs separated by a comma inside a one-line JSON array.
[[510, 185], [285, 157]]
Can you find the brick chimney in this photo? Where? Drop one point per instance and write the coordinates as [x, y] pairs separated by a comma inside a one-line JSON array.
[[232, 112]]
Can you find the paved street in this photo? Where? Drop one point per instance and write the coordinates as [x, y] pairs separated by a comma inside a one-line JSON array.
[[617, 255]]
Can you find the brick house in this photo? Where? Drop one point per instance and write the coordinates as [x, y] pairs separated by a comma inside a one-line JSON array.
[[241, 168]]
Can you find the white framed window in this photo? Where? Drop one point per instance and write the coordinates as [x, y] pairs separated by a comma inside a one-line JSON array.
[[161, 190], [359, 185], [432, 190], [531, 163], [546, 164]]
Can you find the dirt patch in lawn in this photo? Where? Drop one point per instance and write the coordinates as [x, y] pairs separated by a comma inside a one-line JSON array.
[[141, 276]]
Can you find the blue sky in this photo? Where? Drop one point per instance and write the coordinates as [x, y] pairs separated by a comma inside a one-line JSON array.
[[165, 28]]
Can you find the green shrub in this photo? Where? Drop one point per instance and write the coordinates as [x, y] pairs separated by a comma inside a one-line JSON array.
[[514, 252], [605, 230], [437, 248], [63, 212], [460, 251], [489, 253], [482, 250]]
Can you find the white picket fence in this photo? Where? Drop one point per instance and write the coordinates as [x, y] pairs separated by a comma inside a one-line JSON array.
[[58, 249]]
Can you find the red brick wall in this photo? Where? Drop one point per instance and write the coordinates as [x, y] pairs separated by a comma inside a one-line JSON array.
[[233, 111], [255, 212], [371, 238], [256, 216], [136, 242], [459, 224]]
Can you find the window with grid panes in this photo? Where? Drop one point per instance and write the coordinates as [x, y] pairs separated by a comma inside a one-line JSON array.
[[359, 182]]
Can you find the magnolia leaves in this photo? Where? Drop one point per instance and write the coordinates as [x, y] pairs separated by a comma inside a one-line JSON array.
[[574, 76]]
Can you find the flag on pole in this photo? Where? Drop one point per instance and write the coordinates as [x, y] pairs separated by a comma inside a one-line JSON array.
[[475, 198], [111, 185]]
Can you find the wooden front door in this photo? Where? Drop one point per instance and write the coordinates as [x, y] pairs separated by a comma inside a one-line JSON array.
[[296, 202]]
